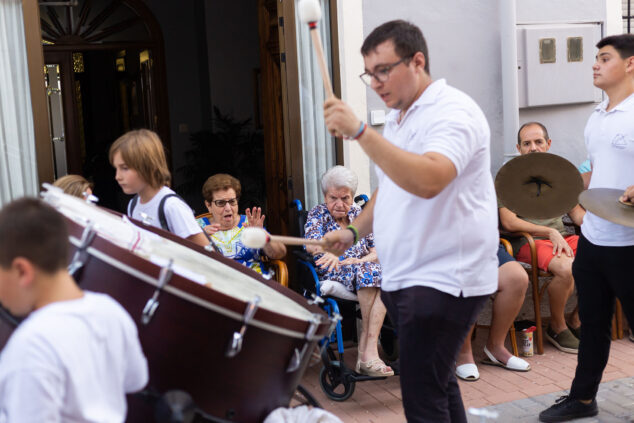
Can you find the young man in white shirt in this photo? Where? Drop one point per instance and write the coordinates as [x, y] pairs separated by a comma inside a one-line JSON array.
[[77, 353], [602, 267], [433, 216]]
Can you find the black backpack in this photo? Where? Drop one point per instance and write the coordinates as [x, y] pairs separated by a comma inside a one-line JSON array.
[[161, 209]]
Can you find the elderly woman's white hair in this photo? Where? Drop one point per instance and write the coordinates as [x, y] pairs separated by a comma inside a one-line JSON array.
[[339, 177]]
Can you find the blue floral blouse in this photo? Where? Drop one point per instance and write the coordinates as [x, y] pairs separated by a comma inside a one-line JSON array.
[[230, 244], [353, 276]]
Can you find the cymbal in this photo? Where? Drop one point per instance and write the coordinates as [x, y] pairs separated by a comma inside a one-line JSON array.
[[539, 185], [604, 202]]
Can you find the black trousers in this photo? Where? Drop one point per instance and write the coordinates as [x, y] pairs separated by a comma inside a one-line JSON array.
[[601, 274], [431, 327]]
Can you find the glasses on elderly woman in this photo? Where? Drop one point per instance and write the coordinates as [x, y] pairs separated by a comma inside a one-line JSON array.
[[222, 203]]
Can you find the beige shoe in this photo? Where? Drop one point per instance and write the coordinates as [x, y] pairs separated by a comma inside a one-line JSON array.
[[374, 367]]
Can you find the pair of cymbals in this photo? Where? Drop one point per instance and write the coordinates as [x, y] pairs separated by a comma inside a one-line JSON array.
[[544, 186]]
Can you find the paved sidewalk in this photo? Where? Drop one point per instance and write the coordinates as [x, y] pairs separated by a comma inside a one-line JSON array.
[[519, 397], [615, 400]]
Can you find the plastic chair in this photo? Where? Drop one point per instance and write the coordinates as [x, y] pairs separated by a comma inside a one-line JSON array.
[[279, 267]]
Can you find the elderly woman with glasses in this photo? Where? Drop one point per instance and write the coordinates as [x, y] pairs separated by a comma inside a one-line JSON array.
[[357, 269], [221, 193]]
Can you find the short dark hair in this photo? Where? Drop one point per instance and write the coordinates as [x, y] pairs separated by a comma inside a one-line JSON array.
[[34, 230], [544, 130], [623, 43], [220, 182], [407, 38]]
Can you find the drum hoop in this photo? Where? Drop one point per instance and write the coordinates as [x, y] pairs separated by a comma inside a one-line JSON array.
[[189, 297]]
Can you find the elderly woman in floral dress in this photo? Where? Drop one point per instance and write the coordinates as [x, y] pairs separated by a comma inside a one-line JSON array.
[[358, 269]]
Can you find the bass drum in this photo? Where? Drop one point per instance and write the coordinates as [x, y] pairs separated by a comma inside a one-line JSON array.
[[237, 343]]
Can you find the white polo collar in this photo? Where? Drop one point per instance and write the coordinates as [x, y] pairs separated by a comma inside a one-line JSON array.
[[428, 96]]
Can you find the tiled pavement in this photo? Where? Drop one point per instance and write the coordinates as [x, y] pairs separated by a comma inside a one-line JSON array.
[[520, 395]]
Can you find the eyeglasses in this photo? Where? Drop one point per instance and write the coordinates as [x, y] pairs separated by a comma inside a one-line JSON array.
[[222, 203], [382, 74]]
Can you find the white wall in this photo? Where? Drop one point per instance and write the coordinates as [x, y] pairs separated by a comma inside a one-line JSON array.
[[464, 47], [463, 41], [353, 91], [566, 123]]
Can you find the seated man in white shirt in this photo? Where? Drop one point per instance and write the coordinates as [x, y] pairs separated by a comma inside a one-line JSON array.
[[77, 353]]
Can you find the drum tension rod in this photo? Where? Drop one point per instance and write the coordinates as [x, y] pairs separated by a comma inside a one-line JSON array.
[[298, 356], [152, 304], [80, 256], [235, 345]]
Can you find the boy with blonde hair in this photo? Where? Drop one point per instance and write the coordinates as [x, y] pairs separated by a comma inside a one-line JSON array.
[[141, 169]]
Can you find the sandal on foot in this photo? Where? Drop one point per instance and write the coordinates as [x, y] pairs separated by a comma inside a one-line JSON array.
[[374, 367], [515, 363], [468, 372]]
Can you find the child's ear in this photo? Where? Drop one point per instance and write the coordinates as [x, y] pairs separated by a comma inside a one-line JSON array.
[[25, 271]]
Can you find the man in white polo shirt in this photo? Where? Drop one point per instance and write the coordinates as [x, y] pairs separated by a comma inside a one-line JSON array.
[[602, 268], [434, 214]]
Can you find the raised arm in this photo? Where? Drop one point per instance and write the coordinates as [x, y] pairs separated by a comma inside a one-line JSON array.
[[424, 175]]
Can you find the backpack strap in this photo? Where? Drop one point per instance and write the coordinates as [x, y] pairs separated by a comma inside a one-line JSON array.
[[161, 211], [132, 204]]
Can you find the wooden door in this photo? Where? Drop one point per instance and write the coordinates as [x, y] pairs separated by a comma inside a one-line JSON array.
[[271, 57]]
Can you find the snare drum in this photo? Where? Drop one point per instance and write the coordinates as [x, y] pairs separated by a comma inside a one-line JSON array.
[[237, 343]]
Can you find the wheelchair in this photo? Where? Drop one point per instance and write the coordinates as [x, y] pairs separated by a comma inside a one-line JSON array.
[[337, 380]]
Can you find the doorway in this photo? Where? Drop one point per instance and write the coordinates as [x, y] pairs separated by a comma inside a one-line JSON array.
[[99, 85]]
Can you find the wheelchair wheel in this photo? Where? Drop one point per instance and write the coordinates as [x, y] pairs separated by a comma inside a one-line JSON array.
[[334, 383], [389, 343]]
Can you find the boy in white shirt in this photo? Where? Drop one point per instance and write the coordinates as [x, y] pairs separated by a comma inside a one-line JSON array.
[[77, 353], [141, 168], [602, 267]]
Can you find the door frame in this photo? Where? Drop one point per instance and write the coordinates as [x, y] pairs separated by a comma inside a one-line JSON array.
[[290, 95], [35, 64], [35, 59]]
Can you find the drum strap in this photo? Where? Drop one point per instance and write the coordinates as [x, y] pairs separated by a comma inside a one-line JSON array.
[[161, 209]]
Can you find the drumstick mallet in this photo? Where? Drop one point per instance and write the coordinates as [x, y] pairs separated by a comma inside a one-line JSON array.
[[310, 13], [258, 238]]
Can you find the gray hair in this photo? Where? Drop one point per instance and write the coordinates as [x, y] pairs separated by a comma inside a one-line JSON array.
[[339, 177]]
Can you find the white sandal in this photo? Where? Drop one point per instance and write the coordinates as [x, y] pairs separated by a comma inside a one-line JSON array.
[[468, 372], [515, 363]]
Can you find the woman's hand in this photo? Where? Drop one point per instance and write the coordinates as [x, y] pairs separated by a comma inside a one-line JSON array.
[[212, 229], [255, 217], [351, 260], [559, 244], [328, 261]]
